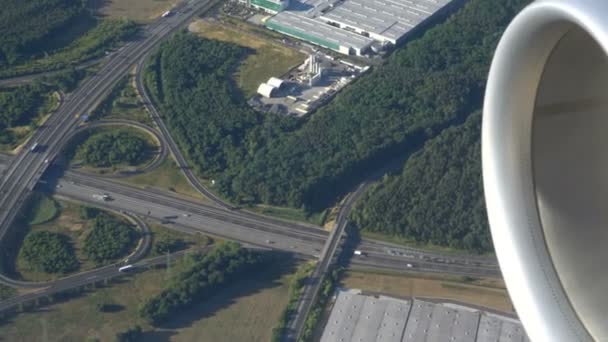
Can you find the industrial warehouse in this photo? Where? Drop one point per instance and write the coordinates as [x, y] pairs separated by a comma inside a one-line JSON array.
[[359, 318], [351, 27]]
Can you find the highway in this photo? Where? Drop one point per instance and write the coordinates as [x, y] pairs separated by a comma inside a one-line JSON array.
[[138, 253], [29, 78], [193, 217], [21, 173], [27, 167], [302, 239]]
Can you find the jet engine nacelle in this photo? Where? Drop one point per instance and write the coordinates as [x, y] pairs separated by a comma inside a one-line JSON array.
[[545, 167]]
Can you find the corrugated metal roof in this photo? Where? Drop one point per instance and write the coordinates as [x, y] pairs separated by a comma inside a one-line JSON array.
[[359, 318]]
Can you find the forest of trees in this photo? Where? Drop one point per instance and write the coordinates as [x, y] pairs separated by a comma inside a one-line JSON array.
[[43, 35], [438, 198], [25, 26], [112, 148], [206, 275], [18, 106], [21, 105], [49, 252], [434, 82], [109, 239]]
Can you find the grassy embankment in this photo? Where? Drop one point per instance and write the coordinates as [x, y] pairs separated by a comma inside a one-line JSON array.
[[140, 11], [489, 293], [244, 311], [123, 103], [56, 216], [270, 58]]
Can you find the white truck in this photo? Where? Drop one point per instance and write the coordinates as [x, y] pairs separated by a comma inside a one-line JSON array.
[[102, 197], [34, 147], [125, 268], [359, 253], [166, 14]]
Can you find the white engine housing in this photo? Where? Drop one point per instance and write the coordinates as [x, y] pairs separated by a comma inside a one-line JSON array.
[[545, 167]]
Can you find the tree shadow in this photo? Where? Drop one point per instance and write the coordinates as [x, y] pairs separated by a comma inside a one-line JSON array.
[[247, 285], [112, 308]]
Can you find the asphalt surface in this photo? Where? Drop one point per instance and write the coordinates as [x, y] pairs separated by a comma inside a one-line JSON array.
[[303, 239], [139, 252], [86, 278], [310, 292], [21, 173], [28, 166], [29, 78], [177, 154]]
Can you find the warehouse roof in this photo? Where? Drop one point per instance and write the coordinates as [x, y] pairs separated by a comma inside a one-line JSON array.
[[266, 90], [275, 82], [334, 36], [388, 18], [355, 318]]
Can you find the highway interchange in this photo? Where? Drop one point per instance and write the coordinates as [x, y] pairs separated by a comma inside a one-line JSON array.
[[255, 230], [21, 173]]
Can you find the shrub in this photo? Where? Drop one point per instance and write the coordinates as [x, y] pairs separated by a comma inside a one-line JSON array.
[[49, 252]]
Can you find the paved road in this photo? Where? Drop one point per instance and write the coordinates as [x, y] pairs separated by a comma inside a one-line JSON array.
[[81, 279], [28, 166], [310, 292], [139, 252], [24, 171], [302, 239], [177, 154], [192, 217], [25, 79]]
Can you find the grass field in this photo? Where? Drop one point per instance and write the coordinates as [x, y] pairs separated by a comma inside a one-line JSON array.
[[6, 292], [42, 209], [269, 59], [67, 221], [166, 177], [245, 311], [141, 11], [22, 133], [160, 234], [487, 292], [91, 44], [124, 103]]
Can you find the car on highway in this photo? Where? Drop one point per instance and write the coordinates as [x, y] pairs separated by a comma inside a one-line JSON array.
[[34, 147], [126, 268], [102, 197]]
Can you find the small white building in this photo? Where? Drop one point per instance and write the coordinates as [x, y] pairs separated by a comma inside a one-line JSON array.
[[275, 82], [267, 90]]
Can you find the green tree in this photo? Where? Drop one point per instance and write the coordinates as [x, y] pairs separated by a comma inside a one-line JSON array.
[[87, 213], [113, 148], [109, 239], [208, 274], [49, 252], [131, 335], [431, 84]]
